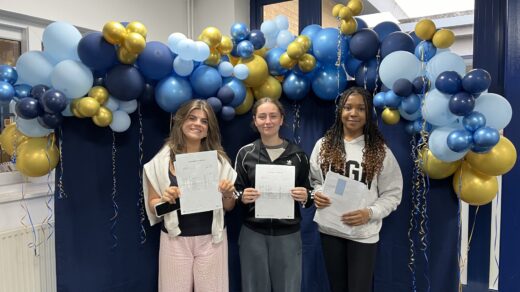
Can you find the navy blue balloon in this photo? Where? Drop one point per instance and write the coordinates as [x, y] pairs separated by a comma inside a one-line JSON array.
[[385, 28], [53, 101], [296, 86], [476, 81], [22, 90], [272, 58], [95, 52], [8, 74], [361, 24], [352, 64], [364, 44], [366, 75], [459, 140], [409, 128], [449, 82], [474, 121], [462, 104], [215, 104], [325, 82], [226, 94], [411, 104], [6, 91], [402, 87], [397, 41], [124, 82], [28, 108], [421, 85], [50, 121], [205, 81], [38, 90], [227, 113], [392, 100], [155, 61], [245, 49], [148, 95], [486, 137], [99, 81], [239, 31], [256, 37], [379, 100], [425, 50], [416, 39]]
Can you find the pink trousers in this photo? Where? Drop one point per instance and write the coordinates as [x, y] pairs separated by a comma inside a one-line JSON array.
[[193, 263]]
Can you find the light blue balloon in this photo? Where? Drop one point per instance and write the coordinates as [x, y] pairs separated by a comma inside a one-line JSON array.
[[202, 51], [173, 41], [205, 81], [182, 67], [225, 69], [120, 121], [72, 78], [34, 68], [269, 28], [411, 104], [284, 38], [128, 106], [60, 41], [495, 108], [400, 64], [186, 49], [172, 92], [270, 42], [410, 117], [438, 143], [66, 112], [31, 128], [436, 109], [447, 61], [282, 22], [112, 104], [241, 71]]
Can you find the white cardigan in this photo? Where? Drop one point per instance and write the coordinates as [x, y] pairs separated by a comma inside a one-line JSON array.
[[156, 171]]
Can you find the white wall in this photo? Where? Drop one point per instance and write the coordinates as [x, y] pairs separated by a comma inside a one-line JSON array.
[[220, 14], [161, 17]]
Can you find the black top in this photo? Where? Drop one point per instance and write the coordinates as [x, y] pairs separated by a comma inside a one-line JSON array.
[[191, 224]]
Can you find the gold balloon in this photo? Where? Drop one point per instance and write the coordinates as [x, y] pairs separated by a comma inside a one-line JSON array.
[[211, 36], [436, 168], [345, 13], [287, 62], [233, 60], [74, 108], [336, 9], [10, 138], [295, 50], [134, 43], [214, 58], [348, 26], [247, 104], [499, 160], [125, 57], [103, 118], [261, 52], [390, 116], [226, 45], [425, 29], [271, 88], [304, 41], [258, 70], [114, 32], [356, 6], [88, 106], [99, 93], [306, 63], [37, 156], [443, 38], [137, 27], [473, 187]]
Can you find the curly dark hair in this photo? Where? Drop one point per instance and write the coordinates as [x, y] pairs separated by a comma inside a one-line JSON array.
[[332, 153]]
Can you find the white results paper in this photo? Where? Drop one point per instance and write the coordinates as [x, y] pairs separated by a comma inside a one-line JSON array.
[[274, 182]]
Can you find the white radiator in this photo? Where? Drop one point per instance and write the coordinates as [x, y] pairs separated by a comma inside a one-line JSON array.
[[21, 270]]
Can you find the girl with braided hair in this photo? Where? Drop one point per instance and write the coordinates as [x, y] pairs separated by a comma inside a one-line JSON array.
[[354, 147]]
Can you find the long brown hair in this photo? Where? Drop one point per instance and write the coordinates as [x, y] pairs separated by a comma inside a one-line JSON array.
[[177, 141], [332, 153]]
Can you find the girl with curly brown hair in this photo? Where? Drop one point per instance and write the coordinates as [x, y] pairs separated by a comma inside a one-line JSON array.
[[354, 147]]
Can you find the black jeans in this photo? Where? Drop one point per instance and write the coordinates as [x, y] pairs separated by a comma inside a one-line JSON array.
[[350, 264]]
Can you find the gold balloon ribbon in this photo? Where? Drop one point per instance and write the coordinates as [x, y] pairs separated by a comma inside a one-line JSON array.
[[140, 202], [61, 190], [114, 193], [296, 122]]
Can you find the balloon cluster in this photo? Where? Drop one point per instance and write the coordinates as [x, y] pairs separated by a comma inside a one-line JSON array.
[[297, 54], [346, 14], [131, 40]]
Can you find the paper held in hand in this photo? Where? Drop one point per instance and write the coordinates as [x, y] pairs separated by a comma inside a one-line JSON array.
[[274, 182], [346, 195]]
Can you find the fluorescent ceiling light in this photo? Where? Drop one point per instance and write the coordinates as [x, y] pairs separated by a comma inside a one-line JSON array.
[[419, 8]]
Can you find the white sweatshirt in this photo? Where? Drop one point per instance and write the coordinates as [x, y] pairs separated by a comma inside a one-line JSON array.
[[383, 197], [156, 171]]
